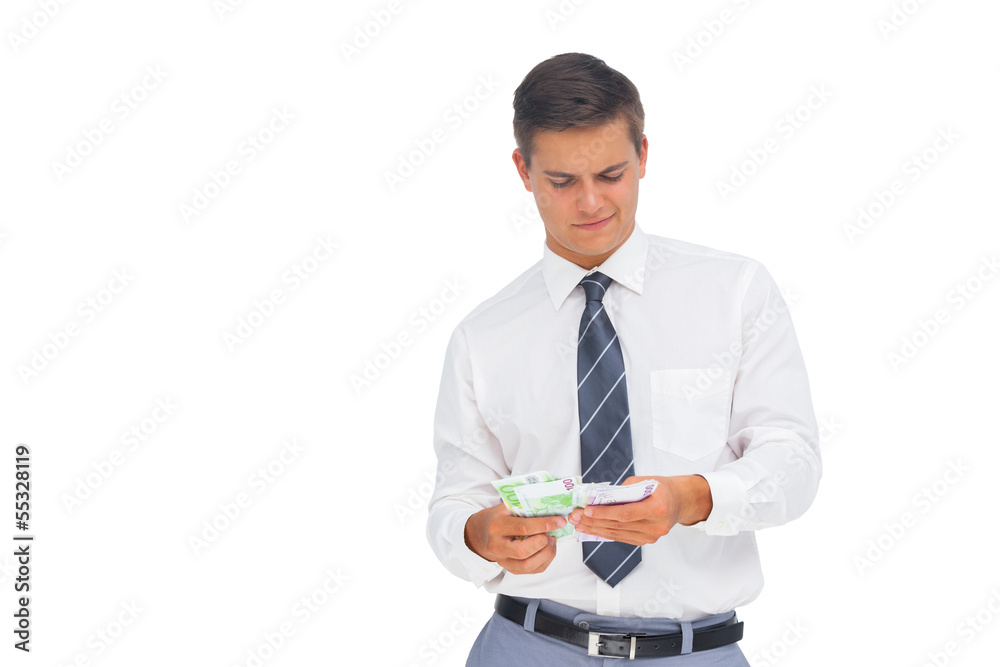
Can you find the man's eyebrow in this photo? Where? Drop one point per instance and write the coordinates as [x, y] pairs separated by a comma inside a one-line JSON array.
[[563, 174]]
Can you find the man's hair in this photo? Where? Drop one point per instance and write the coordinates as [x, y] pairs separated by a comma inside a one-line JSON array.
[[574, 90]]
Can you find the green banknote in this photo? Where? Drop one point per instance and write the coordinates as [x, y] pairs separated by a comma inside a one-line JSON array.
[[541, 494], [553, 498], [508, 486]]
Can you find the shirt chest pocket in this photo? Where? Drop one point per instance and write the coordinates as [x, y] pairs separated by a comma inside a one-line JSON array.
[[691, 409]]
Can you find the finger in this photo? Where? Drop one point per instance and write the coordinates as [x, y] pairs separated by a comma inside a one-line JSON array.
[[540, 561], [608, 529], [630, 535], [537, 562], [520, 527], [517, 549], [638, 511], [602, 527]]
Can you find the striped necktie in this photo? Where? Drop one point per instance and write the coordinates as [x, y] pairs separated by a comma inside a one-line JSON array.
[[605, 436]]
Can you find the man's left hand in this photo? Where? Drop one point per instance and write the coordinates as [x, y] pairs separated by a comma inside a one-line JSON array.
[[684, 499]]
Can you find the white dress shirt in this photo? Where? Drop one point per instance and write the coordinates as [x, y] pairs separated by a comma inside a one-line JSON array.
[[716, 387]]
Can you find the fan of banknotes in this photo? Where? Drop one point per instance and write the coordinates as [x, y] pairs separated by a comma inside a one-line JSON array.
[[541, 494]]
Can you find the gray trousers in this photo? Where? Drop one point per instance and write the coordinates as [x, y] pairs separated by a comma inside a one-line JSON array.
[[503, 642]]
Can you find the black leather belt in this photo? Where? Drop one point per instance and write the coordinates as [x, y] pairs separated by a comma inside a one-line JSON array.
[[618, 645]]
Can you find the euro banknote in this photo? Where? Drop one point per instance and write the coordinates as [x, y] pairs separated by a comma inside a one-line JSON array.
[[541, 494]]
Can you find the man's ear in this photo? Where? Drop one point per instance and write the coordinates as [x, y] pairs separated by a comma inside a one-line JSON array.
[[642, 156], [522, 170]]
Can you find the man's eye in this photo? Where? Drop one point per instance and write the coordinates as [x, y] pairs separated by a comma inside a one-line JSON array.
[[610, 179]]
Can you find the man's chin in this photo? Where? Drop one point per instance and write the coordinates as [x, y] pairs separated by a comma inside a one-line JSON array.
[[581, 243], [596, 243]]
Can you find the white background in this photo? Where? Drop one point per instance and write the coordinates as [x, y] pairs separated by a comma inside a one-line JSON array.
[[352, 502]]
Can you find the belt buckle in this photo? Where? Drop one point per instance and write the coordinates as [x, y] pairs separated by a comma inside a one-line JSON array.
[[594, 643]]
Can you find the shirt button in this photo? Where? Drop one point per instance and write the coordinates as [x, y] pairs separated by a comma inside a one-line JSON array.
[[584, 625]]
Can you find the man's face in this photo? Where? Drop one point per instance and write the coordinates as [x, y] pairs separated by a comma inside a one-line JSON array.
[[586, 186]]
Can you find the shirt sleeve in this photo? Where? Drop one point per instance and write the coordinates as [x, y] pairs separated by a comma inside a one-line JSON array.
[[469, 459], [773, 427]]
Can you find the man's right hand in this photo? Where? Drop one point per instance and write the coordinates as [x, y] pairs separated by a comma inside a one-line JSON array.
[[493, 534]]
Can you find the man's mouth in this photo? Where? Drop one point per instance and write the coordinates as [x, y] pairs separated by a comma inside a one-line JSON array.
[[596, 224]]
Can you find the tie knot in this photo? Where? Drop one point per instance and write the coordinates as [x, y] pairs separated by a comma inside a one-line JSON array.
[[595, 285]]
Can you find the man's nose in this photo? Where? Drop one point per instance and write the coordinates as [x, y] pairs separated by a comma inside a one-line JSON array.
[[591, 199]]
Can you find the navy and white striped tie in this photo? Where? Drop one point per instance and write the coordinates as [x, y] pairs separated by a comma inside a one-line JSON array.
[[605, 436]]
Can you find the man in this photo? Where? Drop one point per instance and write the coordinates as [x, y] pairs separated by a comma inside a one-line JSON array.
[[621, 357]]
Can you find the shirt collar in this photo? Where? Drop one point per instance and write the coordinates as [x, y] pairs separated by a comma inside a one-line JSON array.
[[624, 266]]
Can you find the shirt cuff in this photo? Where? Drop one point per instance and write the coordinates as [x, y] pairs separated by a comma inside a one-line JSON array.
[[480, 570], [727, 500]]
